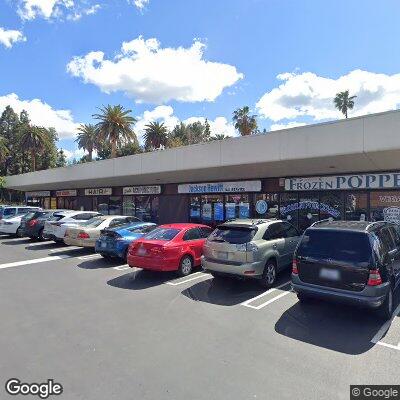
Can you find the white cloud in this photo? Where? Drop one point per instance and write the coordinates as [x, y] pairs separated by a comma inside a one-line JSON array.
[[9, 37], [42, 114], [76, 154], [166, 115], [48, 9], [308, 94], [293, 124], [140, 4], [153, 74]]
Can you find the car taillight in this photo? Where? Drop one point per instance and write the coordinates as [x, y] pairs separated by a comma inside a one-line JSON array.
[[32, 222], [83, 235], [374, 278], [295, 269]]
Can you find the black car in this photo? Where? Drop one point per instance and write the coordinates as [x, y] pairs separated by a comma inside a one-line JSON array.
[[33, 226], [349, 261]]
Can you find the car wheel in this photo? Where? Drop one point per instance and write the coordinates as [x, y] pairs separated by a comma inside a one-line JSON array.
[[19, 233], [40, 236], [269, 275], [385, 311], [185, 266]]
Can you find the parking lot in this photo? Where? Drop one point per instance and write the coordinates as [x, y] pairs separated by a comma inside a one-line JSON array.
[[105, 331]]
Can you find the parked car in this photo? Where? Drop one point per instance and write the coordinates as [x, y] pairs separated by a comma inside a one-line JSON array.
[[13, 211], [12, 225], [114, 242], [248, 248], [34, 226], [86, 234], [349, 261], [56, 226], [172, 247]]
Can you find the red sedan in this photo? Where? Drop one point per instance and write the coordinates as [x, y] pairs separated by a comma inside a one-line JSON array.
[[172, 247]]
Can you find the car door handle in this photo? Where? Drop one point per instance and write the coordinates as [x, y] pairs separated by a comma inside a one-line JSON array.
[[274, 246]]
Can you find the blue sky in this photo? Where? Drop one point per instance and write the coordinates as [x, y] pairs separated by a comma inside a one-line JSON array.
[[190, 59]]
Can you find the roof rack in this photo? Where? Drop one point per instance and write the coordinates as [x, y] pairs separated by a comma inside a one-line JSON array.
[[322, 221]]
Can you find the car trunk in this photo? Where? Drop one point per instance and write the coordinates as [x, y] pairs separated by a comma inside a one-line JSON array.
[[150, 248], [336, 259], [229, 244]]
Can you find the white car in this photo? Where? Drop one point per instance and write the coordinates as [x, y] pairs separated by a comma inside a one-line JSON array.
[[55, 228], [11, 225]]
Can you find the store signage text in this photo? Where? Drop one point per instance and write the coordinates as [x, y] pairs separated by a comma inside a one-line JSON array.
[[98, 192], [156, 189], [66, 193], [364, 181], [220, 187], [43, 193]]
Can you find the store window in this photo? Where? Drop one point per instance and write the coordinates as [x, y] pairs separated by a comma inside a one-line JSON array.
[[100, 204], [67, 203], [195, 209], [128, 206], [147, 208], [115, 205], [212, 209], [308, 209], [331, 205], [289, 206], [356, 206], [266, 206], [385, 206], [237, 206]]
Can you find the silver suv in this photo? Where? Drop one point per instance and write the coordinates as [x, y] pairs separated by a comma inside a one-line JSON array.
[[249, 248]]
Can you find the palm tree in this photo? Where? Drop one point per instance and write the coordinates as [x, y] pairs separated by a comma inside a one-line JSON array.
[[344, 102], [87, 139], [115, 126], [155, 135], [34, 139], [219, 136], [246, 124]]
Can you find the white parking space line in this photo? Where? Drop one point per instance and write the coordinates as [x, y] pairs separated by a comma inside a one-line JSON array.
[[125, 267], [377, 339], [34, 261], [247, 302], [89, 257], [199, 275], [63, 249], [39, 243]]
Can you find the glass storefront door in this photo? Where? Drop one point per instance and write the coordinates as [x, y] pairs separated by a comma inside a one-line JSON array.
[[331, 205], [356, 206], [128, 206], [212, 209], [237, 206], [308, 209]]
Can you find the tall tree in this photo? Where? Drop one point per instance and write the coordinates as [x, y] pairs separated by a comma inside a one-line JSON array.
[[155, 136], [33, 141], [344, 102], [115, 126], [61, 159], [192, 133], [245, 123], [3, 150], [87, 139]]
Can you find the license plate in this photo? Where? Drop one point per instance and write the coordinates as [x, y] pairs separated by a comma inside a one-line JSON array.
[[222, 255], [330, 274], [142, 251], [103, 245]]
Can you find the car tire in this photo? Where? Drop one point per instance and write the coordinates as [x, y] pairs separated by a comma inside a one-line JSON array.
[[41, 238], [269, 275], [19, 233], [185, 266], [385, 311]]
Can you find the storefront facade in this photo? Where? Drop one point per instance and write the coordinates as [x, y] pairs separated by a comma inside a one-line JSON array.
[[301, 201]]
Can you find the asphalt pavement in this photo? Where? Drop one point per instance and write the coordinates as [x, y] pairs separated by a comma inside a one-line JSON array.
[[104, 331]]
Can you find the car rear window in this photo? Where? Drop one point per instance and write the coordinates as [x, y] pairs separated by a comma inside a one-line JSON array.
[[40, 214], [162, 234], [233, 234], [345, 246], [93, 222]]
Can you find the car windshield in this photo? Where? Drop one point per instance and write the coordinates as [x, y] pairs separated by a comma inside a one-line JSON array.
[[336, 245], [233, 234], [29, 215], [162, 234]]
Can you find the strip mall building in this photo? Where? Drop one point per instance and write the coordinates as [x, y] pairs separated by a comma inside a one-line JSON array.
[[348, 169]]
